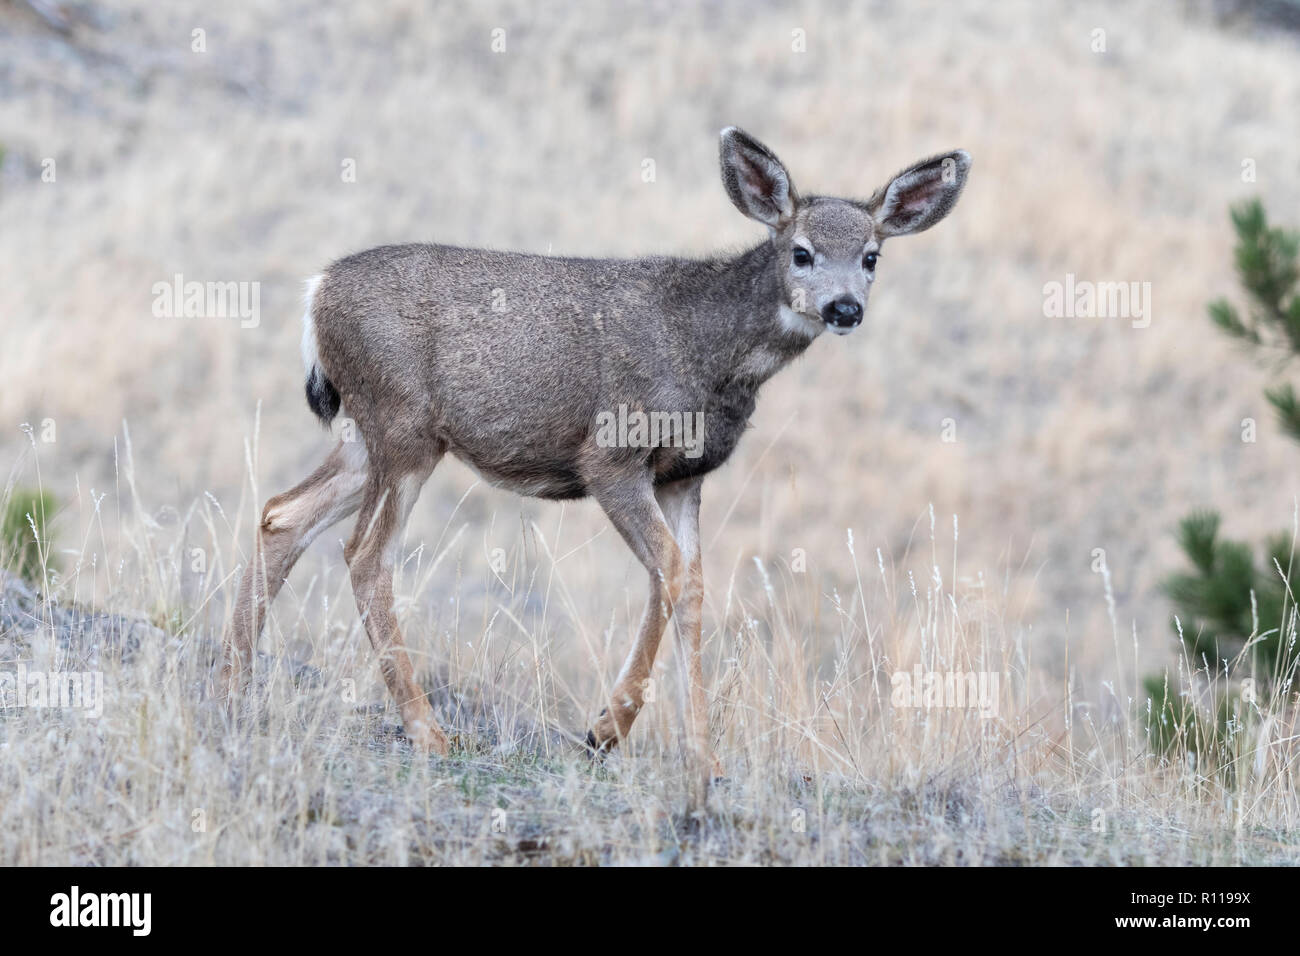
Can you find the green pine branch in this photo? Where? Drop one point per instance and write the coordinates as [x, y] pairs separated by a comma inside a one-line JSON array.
[[1287, 405], [1213, 600], [1224, 601], [1269, 270]]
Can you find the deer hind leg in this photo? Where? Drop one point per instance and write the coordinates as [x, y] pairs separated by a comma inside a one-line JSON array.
[[634, 511], [370, 555], [289, 523]]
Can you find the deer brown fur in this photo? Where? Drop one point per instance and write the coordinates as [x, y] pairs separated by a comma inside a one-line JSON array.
[[507, 361]]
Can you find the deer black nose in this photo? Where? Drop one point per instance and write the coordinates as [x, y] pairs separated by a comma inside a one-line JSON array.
[[844, 313]]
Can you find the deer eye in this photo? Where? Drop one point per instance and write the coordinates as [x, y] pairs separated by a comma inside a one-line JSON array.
[[869, 261], [801, 257]]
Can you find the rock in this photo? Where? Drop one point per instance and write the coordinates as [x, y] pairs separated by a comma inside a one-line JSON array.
[[83, 637]]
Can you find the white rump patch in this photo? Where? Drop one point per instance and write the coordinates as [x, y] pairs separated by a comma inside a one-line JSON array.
[[310, 355]]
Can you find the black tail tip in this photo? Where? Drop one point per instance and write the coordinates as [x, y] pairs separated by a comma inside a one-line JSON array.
[[322, 396]]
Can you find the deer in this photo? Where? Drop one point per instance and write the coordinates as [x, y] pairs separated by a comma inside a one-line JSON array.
[[506, 360]]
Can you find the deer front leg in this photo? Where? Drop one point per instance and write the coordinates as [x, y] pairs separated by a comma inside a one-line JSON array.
[[680, 502], [634, 511]]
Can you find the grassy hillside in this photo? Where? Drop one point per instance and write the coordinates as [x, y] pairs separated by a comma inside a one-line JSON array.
[[846, 541]]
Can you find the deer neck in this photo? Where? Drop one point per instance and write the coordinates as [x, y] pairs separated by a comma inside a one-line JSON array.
[[763, 334]]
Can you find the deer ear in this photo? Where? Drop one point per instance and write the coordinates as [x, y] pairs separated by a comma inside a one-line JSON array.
[[755, 179], [920, 195]]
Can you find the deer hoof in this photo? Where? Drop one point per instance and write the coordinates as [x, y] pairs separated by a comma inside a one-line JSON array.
[[596, 749], [598, 746], [426, 739]]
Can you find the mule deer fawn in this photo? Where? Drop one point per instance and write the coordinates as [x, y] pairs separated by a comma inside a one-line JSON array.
[[412, 343]]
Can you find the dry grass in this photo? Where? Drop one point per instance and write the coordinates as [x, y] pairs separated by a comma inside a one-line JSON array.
[[1073, 434], [824, 765]]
